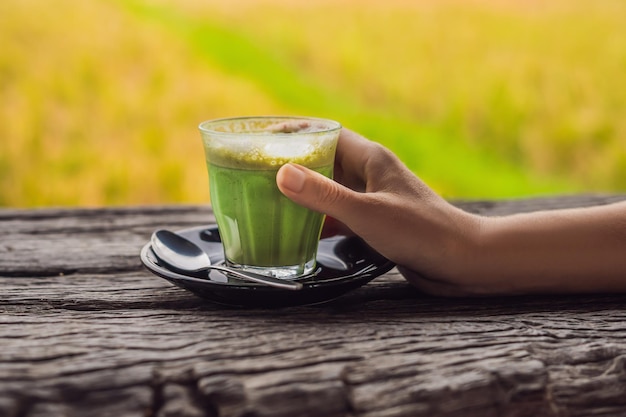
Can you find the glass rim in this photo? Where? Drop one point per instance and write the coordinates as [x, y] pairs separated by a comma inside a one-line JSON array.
[[205, 126]]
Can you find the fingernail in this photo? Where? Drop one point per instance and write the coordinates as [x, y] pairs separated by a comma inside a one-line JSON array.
[[292, 178]]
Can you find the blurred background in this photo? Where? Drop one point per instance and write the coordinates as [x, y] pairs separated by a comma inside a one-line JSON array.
[[100, 100]]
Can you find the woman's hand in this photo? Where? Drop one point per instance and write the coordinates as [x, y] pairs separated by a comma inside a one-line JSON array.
[[376, 197], [445, 251]]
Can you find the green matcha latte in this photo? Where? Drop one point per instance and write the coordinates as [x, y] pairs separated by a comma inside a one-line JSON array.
[[260, 228]]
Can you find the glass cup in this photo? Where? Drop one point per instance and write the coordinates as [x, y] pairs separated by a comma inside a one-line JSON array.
[[262, 230]]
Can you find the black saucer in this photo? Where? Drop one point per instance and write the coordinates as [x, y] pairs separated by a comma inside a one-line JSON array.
[[343, 264]]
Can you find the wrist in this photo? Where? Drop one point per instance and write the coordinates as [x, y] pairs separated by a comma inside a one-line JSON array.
[[471, 265], [449, 258]]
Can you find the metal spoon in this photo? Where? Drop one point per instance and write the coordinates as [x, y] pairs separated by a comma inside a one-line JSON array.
[[184, 255]]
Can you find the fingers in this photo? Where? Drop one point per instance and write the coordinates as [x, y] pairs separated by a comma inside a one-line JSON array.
[[363, 165], [351, 144], [291, 181], [353, 150], [316, 192], [288, 127], [359, 166]]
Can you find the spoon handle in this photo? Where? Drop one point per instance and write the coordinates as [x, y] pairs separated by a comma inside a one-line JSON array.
[[263, 279]]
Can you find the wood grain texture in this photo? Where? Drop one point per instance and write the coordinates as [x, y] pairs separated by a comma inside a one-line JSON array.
[[85, 330]]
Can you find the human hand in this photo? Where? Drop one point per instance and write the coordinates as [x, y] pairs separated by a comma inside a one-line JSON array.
[[378, 198], [443, 250]]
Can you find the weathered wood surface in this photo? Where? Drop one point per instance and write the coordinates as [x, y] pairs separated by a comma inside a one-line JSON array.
[[85, 330]]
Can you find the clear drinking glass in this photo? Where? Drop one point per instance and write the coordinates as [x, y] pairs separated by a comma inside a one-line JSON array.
[[262, 230]]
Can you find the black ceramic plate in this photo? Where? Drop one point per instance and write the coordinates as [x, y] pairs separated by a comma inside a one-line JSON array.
[[343, 264]]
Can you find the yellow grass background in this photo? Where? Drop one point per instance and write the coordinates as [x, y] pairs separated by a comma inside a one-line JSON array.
[[100, 100]]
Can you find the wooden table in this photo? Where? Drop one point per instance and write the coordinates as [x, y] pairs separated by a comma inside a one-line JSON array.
[[86, 330]]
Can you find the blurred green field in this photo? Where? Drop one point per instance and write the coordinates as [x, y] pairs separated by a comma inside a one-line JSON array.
[[100, 100]]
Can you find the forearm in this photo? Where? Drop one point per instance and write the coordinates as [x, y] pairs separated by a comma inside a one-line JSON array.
[[561, 251]]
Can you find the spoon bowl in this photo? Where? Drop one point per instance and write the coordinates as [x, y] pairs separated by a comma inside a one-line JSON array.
[[185, 256]]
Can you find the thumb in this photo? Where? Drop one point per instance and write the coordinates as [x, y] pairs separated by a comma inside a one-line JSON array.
[[316, 192]]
